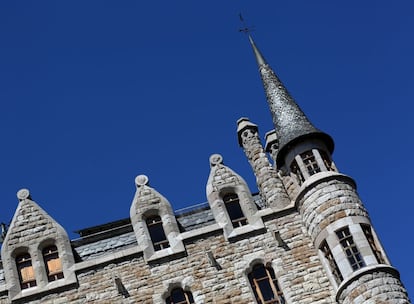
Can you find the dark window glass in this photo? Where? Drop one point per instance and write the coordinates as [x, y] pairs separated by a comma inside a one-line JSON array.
[[157, 234], [179, 296], [265, 287], [373, 244], [331, 261], [231, 201], [53, 263], [351, 250], [25, 270]]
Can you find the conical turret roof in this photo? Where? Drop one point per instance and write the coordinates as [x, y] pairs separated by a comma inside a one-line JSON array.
[[290, 122]]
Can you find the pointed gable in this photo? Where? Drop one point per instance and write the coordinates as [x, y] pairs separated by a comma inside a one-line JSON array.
[[31, 231]]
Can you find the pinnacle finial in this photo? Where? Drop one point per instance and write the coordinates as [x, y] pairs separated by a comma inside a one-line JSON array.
[[141, 180], [23, 194], [259, 57]]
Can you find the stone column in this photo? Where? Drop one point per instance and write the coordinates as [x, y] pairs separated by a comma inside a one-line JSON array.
[[270, 186]]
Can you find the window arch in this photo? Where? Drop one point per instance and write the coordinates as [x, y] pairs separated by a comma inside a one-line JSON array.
[[25, 271], [157, 234], [265, 287], [232, 203], [53, 263], [179, 296]]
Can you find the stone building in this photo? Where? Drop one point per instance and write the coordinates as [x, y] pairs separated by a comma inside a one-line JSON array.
[[305, 237]]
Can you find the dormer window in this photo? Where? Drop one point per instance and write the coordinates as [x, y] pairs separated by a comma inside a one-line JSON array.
[[237, 217], [25, 270], [157, 234], [53, 263], [179, 296]]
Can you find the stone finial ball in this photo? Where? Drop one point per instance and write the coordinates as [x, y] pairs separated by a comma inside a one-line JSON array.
[[141, 180], [216, 159], [23, 194]]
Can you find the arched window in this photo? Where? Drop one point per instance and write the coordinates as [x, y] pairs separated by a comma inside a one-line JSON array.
[[231, 201], [265, 286], [25, 270], [53, 263], [179, 296], [157, 234]]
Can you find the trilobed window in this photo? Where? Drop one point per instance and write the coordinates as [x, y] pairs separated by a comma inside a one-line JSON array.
[[351, 250], [25, 271], [53, 263], [179, 296], [331, 262], [265, 287], [310, 162], [157, 234], [373, 244], [235, 212]]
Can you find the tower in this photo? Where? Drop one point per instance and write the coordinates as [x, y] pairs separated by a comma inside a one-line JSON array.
[[331, 211]]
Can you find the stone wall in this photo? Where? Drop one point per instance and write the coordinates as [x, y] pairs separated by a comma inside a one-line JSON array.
[[293, 258], [378, 287]]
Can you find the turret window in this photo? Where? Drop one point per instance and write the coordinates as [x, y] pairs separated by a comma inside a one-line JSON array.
[[351, 250], [373, 244], [25, 270], [265, 287], [53, 263], [232, 203], [326, 161], [331, 262], [179, 296], [157, 234], [294, 168], [310, 162]]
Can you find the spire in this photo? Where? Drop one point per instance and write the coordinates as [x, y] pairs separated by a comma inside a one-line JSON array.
[[291, 124]]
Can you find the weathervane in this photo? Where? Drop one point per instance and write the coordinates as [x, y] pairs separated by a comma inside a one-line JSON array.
[[245, 29]]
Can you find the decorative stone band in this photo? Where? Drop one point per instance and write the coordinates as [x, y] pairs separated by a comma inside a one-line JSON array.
[[378, 284]]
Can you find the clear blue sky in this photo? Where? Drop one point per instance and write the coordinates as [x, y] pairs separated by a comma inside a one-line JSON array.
[[94, 93]]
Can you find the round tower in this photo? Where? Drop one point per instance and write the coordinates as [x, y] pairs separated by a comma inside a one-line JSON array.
[[332, 212]]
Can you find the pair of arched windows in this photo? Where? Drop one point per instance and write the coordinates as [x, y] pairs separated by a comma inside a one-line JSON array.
[[52, 262]]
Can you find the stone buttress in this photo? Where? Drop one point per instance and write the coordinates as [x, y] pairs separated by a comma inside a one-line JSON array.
[[332, 212]]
